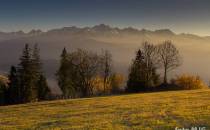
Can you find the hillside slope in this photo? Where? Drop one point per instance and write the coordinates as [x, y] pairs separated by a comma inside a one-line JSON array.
[[162, 110]]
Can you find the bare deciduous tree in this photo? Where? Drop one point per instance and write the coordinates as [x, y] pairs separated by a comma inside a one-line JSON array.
[[151, 60], [106, 67], [169, 57], [86, 65]]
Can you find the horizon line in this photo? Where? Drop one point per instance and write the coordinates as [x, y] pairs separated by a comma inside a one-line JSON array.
[[91, 26]]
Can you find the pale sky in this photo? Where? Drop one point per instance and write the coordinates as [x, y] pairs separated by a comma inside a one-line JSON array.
[[181, 16]]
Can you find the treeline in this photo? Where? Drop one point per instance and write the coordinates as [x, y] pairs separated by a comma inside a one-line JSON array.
[[27, 82], [81, 74], [84, 73]]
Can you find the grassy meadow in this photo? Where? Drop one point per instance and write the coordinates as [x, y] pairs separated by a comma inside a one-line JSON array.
[[147, 111]]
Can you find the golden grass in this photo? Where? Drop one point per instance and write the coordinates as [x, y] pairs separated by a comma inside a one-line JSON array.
[[149, 111]]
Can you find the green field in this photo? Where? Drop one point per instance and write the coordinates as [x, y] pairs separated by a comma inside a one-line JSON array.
[[149, 111]]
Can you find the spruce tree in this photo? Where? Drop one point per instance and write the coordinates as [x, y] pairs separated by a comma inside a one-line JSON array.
[[36, 70], [26, 71], [2, 93], [143, 76], [62, 74], [14, 87], [43, 89], [27, 82], [136, 78], [37, 65]]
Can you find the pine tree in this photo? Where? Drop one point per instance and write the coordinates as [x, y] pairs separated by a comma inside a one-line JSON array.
[[2, 93], [62, 73], [37, 65], [43, 89], [143, 76], [27, 82], [14, 87], [136, 79], [37, 70], [27, 75]]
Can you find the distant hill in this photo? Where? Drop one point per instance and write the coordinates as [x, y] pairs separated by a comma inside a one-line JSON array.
[[122, 42]]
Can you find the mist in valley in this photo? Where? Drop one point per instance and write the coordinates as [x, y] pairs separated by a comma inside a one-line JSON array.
[[122, 43]]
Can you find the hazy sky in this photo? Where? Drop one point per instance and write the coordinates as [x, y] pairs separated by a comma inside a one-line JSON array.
[[189, 16]]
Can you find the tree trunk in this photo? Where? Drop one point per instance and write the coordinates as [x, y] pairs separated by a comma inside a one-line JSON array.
[[104, 85], [165, 76]]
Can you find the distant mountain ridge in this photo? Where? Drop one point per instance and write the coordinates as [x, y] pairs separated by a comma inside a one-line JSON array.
[[97, 29]]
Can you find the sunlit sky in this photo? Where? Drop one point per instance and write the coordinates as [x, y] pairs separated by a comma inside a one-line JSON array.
[[187, 16]]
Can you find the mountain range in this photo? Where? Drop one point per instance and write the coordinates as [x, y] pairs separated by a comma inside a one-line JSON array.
[[121, 42]]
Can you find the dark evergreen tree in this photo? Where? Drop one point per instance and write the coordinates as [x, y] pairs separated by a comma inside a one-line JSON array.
[[136, 78], [62, 74], [3, 89], [37, 71], [43, 89], [27, 82], [13, 91], [37, 65], [2, 93], [27, 75], [143, 76]]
